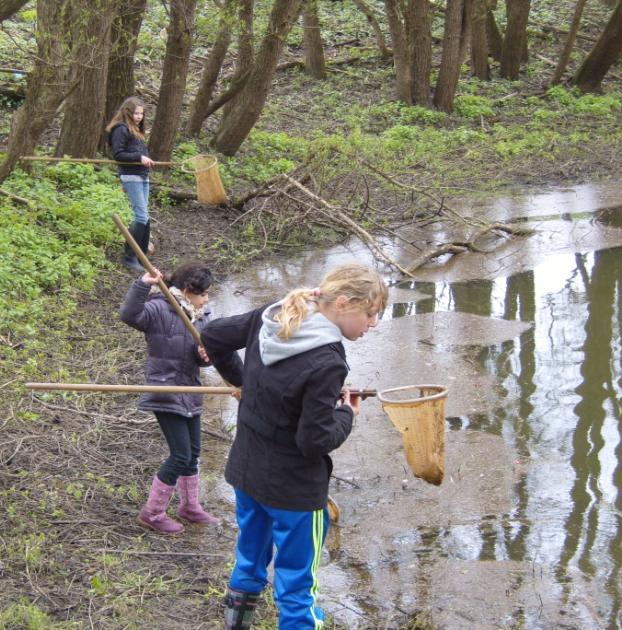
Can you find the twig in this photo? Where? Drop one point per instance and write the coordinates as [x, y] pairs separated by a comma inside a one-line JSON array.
[[352, 483], [189, 554]]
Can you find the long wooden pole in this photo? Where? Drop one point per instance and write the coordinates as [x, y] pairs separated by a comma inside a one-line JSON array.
[[163, 389], [151, 269], [45, 158]]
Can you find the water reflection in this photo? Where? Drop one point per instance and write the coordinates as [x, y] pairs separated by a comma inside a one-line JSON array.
[[562, 381]]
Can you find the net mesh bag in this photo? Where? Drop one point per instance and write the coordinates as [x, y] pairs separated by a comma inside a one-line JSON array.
[[209, 185], [418, 411]]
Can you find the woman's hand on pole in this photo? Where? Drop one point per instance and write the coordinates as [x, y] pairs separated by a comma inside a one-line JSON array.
[[146, 161], [203, 354]]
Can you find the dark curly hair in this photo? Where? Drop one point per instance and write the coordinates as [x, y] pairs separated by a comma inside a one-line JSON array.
[[192, 276]]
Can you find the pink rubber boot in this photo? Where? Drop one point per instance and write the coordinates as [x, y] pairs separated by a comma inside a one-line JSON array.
[[153, 515], [189, 507]]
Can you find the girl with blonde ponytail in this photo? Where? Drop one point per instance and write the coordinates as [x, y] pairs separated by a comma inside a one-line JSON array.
[[293, 413]]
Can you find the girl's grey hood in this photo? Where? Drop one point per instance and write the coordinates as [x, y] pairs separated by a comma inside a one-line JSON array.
[[316, 330]]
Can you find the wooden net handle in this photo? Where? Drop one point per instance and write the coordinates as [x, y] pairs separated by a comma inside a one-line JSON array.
[[151, 269]]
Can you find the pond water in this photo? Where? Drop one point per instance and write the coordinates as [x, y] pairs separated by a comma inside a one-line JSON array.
[[526, 529]]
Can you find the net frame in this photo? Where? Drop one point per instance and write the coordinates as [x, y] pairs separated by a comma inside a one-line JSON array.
[[421, 421]]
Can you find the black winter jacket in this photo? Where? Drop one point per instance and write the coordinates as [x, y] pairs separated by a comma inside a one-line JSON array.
[[126, 147], [173, 355], [288, 421]]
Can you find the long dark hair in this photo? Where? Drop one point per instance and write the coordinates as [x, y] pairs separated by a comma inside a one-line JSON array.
[[125, 115], [192, 276]]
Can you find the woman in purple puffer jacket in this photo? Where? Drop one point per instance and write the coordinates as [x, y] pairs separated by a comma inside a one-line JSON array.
[[173, 359]]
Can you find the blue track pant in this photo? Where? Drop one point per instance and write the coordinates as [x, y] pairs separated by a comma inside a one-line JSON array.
[[298, 538]]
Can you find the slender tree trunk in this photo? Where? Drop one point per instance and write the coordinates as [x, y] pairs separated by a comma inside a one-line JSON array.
[[10, 7], [245, 40], [422, 51], [173, 85], [245, 57], [401, 58], [449, 72], [248, 105], [515, 39], [604, 54], [479, 41], [572, 34], [84, 109], [47, 84], [211, 70], [373, 22], [465, 36], [313, 46], [493, 35], [124, 39]]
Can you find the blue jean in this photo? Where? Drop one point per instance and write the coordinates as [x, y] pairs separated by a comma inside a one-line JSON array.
[[137, 190], [298, 538]]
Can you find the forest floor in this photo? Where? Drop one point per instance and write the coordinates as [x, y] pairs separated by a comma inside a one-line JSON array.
[[75, 468]]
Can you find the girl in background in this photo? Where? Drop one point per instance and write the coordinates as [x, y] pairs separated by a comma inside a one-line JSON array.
[[173, 359], [126, 136], [292, 414]]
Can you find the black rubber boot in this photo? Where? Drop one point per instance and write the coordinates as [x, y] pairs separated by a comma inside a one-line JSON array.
[[239, 609], [129, 259], [144, 243]]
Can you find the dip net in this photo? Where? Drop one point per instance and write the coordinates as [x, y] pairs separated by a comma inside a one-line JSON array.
[[210, 190], [418, 411]]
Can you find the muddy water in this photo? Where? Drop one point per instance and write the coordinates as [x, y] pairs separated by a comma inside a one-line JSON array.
[[526, 529]]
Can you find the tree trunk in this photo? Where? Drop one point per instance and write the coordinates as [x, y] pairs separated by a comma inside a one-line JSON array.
[[493, 35], [373, 22], [604, 54], [248, 105], [211, 70], [401, 57], [572, 34], [246, 54], [124, 39], [422, 52], [479, 41], [449, 72], [515, 39], [84, 110], [245, 39], [465, 36], [10, 7], [46, 88], [173, 85], [313, 46]]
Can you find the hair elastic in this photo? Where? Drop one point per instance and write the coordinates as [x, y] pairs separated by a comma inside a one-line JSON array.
[[317, 292]]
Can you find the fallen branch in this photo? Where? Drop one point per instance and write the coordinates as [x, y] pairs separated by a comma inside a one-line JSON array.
[[459, 247], [334, 213], [22, 200]]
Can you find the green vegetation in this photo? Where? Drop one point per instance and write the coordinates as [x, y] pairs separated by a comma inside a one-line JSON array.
[[75, 465]]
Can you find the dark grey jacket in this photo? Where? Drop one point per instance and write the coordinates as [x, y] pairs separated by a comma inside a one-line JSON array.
[[127, 148], [173, 355], [288, 422]]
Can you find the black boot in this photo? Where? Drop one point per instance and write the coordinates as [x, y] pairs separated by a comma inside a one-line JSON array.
[[130, 260], [239, 609], [144, 243]]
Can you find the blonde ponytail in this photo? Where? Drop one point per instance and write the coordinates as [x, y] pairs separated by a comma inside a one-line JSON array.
[[364, 288], [295, 308]]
